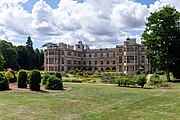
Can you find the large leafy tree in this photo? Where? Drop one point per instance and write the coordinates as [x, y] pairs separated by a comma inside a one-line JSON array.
[[160, 35], [10, 54]]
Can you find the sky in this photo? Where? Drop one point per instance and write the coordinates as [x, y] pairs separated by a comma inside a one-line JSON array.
[[97, 23]]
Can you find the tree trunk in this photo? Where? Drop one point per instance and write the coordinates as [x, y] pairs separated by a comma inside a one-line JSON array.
[[167, 74]]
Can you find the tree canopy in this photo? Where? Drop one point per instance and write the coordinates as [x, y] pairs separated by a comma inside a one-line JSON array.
[[161, 34], [2, 61], [20, 57]]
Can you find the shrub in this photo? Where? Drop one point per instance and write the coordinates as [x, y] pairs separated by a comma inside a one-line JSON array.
[[35, 80], [155, 80], [4, 83], [54, 83], [161, 72], [138, 72], [10, 75], [141, 80], [72, 79], [58, 75], [22, 79], [124, 81], [45, 78]]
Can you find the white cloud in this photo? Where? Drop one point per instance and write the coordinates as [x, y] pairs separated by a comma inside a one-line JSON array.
[[160, 3], [98, 23]]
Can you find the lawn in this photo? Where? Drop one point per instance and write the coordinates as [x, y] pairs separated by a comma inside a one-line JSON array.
[[93, 102]]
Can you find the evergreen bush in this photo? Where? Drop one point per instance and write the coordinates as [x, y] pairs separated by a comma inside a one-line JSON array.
[[4, 83], [58, 75], [54, 83], [35, 80], [45, 78], [22, 79]]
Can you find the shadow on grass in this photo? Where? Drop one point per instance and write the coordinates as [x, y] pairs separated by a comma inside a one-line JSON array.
[[175, 81]]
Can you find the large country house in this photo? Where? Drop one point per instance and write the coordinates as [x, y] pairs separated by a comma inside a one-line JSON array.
[[127, 58]]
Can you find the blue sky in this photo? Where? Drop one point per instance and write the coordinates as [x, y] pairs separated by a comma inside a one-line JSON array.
[[98, 23], [54, 3]]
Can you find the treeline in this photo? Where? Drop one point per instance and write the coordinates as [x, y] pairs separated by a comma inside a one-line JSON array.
[[20, 57]]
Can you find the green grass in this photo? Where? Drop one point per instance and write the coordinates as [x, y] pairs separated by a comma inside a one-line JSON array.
[[93, 102]]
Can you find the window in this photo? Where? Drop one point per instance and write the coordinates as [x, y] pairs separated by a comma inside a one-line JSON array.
[[113, 54], [107, 54], [142, 59], [101, 54], [84, 55], [107, 62], [120, 50], [51, 60], [95, 62], [62, 60], [51, 52], [101, 62], [56, 60], [79, 62], [74, 61], [89, 55], [69, 62], [125, 59], [130, 59], [142, 49], [62, 53], [79, 46], [68, 53], [89, 62], [62, 69], [79, 55], [84, 62], [130, 68], [131, 49], [51, 68], [46, 61], [114, 62], [95, 55], [120, 59]]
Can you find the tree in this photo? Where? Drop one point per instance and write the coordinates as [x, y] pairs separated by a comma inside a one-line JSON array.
[[10, 55], [2, 61], [161, 33], [23, 57], [29, 42]]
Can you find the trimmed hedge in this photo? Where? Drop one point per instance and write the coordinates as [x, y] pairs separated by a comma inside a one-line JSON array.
[[35, 80], [4, 83], [22, 79], [54, 83]]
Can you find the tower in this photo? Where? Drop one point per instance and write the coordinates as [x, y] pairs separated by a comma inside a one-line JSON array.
[[79, 46]]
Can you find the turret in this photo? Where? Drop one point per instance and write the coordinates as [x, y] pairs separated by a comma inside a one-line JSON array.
[[79, 46]]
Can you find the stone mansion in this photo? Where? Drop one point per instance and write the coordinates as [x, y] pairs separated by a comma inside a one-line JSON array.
[[127, 58]]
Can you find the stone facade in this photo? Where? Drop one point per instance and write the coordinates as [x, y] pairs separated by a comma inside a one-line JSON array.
[[127, 58]]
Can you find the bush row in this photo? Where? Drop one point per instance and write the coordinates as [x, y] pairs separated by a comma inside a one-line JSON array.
[[133, 81], [32, 78]]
